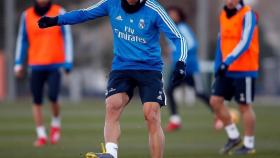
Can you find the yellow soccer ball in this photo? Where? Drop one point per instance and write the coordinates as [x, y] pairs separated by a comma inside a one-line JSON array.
[[235, 115]]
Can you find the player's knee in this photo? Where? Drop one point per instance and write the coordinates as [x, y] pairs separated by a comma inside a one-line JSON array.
[[53, 99], [151, 113], [53, 95], [151, 117], [245, 108], [113, 106], [37, 101], [216, 102]]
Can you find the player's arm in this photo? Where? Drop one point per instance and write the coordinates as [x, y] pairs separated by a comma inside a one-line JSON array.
[[218, 56], [68, 46], [99, 9], [21, 47], [246, 39], [167, 26]]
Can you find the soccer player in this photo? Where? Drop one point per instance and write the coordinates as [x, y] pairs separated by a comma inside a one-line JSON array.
[[192, 72], [237, 64], [47, 52], [136, 26]]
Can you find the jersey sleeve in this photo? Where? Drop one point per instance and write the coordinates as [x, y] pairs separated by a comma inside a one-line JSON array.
[[218, 56], [166, 25], [22, 42], [68, 44], [99, 9], [246, 39]]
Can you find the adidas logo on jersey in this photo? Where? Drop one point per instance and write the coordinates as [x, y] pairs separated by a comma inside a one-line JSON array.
[[119, 18]]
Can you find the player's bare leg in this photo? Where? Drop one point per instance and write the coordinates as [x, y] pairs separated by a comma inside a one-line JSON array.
[[223, 113], [249, 119], [38, 115], [41, 132], [115, 105], [156, 135], [55, 131], [249, 122], [55, 109], [220, 109]]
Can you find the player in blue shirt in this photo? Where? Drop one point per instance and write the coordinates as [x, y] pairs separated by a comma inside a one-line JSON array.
[[136, 26], [192, 78]]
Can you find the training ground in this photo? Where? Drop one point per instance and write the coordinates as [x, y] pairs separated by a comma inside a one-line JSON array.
[[83, 126]]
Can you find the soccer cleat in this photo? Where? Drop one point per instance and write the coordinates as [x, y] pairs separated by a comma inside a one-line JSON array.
[[40, 142], [55, 135], [98, 155], [232, 143], [243, 151], [172, 127]]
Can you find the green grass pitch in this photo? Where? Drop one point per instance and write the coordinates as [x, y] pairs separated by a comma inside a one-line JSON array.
[[83, 126]]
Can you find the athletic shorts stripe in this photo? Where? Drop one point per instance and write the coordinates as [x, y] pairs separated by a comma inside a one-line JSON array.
[[248, 83]]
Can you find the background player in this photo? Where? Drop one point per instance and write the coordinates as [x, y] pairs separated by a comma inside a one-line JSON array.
[[136, 26], [237, 64], [192, 72], [47, 51]]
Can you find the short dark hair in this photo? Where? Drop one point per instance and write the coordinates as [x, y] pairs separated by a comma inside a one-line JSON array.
[[182, 15]]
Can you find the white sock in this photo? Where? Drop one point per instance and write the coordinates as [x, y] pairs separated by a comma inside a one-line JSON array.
[[249, 142], [112, 149], [175, 119], [232, 131], [56, 122], [41, 132]]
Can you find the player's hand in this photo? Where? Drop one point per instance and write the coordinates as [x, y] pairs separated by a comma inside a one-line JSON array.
[[67, 71], [67, 68], [19, 72], [180, 72], [46, 22], [222, 70]]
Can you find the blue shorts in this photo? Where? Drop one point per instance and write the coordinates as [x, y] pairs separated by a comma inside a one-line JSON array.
[[37, 83], [242, 89], [149, 82]]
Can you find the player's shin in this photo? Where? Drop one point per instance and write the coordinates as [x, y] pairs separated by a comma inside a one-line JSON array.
[[156, 135], [38, 118], [40, 129], [249, 120], [56, 120], [55, 131], [114, 107], [112, 134], [220, 109]]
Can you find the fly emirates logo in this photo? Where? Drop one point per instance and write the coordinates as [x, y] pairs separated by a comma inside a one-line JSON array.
[[129, 35]]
